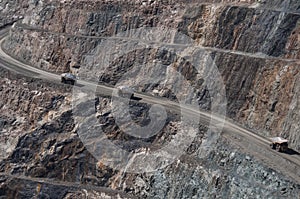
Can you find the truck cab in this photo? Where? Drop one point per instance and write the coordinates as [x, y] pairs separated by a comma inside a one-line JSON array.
[[279, 144], [125, 91], [68, 78]]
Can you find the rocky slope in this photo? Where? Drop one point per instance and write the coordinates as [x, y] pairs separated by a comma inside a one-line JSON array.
[[38, 140], [11, 11], [249, 43], [52, 160], [26, 105], [261, 90], [27, 188]]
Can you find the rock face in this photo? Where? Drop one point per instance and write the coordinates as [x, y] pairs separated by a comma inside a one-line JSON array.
[[231, 175], [25, 188], [26, 104], [12, 11], [51, 160], [249, 42], [40, 146], [254, 46]]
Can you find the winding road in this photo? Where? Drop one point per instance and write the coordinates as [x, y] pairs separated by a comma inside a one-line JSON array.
[[246, 140]]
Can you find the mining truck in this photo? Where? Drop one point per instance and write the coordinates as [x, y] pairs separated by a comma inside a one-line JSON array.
[[125, 91], [68, 78], [278, 143]]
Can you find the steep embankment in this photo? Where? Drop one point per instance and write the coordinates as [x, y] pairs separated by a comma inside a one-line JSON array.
[[11, 11], [52, 161], [41, 155], [53, 152], [60, 36], [26, 105], [261, 91]]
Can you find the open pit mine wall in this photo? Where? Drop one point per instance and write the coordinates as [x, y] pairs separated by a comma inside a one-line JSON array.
[[50, 160], [262, 86], [12, 11], [38, 143], [37, 114]]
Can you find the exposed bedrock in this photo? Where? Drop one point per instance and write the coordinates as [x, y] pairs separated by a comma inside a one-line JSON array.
[[254, 45]]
